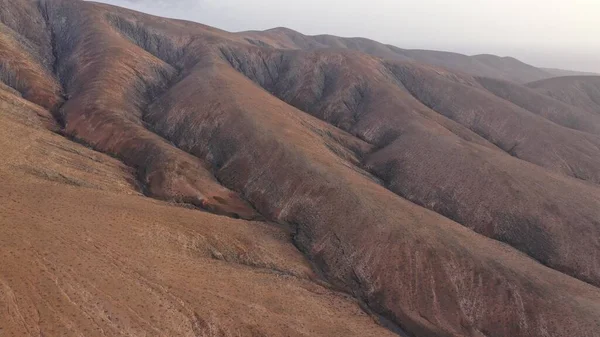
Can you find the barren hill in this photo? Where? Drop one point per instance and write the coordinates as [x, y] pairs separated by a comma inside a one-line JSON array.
[[580, 91], [506, 68], [162, 177], [562, 72]]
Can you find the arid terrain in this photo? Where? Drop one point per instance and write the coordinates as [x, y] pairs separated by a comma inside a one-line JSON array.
[[165, 178]]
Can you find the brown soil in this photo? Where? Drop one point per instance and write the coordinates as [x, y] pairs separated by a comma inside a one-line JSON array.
[[161, 177]]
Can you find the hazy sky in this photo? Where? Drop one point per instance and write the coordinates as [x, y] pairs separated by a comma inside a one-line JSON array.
[[546, 33]]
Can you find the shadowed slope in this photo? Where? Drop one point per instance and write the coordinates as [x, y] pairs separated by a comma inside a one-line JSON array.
[[547, 107], [279, 159], [506, 68], [26, 58], [517, 131], [130, 77], [580, 91], [82, 253], [336, 210], [509, 68], [110, 81], [522, 134], [563, 72], [433, 161]]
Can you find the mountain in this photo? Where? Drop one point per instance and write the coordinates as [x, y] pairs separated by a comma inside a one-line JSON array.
[[506, 68], [163, 177], [580, 91], [562, 72]]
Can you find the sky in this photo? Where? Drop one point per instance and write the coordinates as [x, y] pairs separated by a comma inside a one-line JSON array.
[[546, 33]]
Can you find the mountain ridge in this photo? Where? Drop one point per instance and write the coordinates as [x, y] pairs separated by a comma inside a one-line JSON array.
[[368, 169], [486, 65]]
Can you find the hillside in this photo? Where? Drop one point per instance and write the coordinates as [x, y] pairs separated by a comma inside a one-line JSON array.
[[580, 91], [84, 253], [563, 72], [162, 177], [506, 68]]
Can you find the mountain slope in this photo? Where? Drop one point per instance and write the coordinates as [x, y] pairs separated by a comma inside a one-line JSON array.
[[83, 253], [391, 188], [552, 109], [580, 91], [506, 68], [369, 103], [563, 72]]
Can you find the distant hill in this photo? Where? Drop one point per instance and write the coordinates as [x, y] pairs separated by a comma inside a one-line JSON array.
[[580, 91], [506, 68], [562, 72]]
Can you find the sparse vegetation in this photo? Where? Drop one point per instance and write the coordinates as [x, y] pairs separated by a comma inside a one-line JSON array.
[[330, 174]]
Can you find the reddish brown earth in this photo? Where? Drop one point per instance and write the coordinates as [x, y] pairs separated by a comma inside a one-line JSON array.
[[301, 186]]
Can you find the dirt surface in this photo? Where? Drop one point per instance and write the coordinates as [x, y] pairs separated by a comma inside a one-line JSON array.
[[162, 177], [83, 253]]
